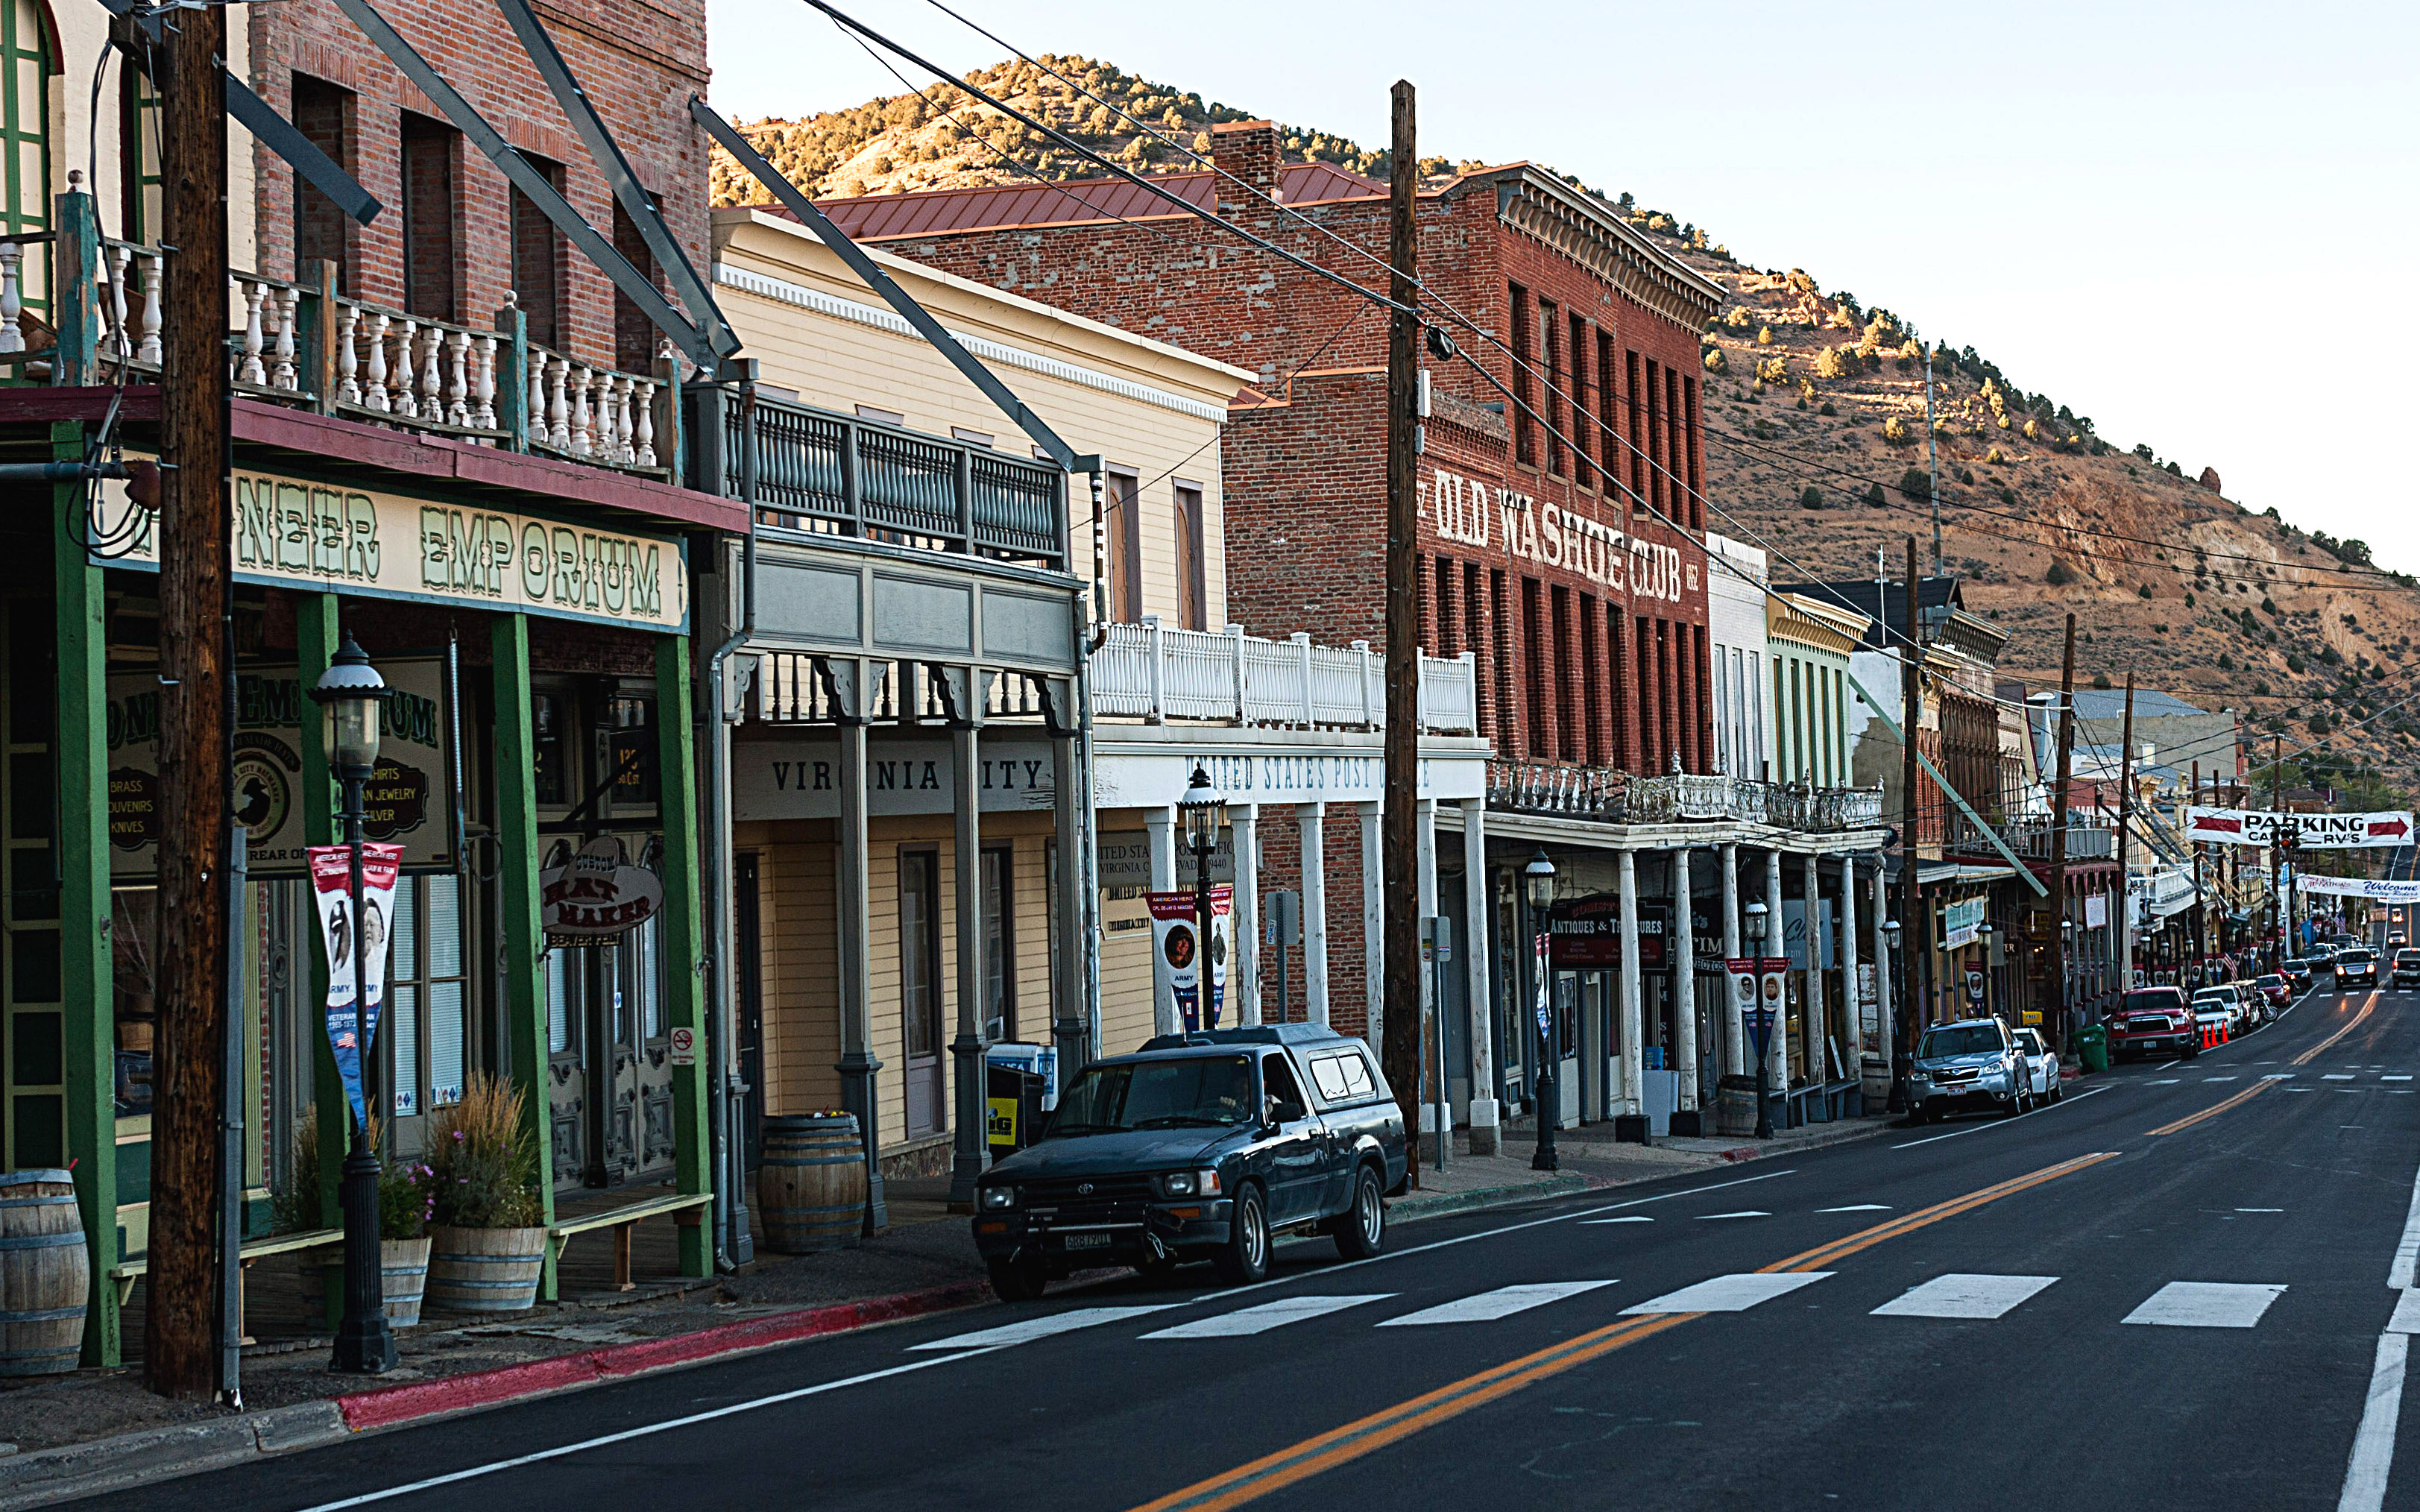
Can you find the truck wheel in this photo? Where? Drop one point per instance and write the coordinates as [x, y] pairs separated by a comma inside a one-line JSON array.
[[1244, 1257], [1014, 1281], [1362, 1229]]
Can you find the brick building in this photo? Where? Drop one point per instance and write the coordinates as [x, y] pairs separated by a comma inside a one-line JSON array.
[[1562, 550]]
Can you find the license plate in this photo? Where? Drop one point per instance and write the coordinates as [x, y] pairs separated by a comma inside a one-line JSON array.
[[1083, 1241]]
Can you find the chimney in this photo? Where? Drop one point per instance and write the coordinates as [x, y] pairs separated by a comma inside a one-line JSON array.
[[1248, 150]]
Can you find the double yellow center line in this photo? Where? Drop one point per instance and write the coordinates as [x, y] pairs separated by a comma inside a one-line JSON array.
[[2245, 1096], [1316, 1455]]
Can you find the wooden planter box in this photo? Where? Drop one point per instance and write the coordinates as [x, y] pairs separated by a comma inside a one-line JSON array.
[[486, 1270]]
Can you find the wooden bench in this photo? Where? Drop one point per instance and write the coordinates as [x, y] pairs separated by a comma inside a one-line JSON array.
[[682, 1206], [126, 1272]]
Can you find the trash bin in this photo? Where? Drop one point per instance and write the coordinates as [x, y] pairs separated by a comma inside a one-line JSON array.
[[2092, 1047], [1735, 1105], [1017, 1091]]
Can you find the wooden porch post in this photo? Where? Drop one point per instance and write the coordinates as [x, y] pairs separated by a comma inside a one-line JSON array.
[[684, 937], [523, 1008], [89, 1029]]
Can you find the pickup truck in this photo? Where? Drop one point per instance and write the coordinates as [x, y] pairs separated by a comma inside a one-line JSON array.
[[1199, 1147], [2152, 1021]]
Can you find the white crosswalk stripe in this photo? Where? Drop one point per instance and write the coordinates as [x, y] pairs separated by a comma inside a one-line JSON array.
[[1265, 1317], [1041, 1328], [1729, 1294], [2337, 1076], [1490, 1305], [2206, 1304], [1960, 1295]]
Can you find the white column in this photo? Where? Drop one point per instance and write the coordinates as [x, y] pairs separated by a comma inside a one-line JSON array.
[[1373, 927], [1159, 831], [1313, 819], [1476, 904], [1882, 975], [1633, 1062], [1244, 916], [1684, 983], [1856, 1049], [1776, 1056], [1810, 1013], [1432, 1037], [1736, 1032]]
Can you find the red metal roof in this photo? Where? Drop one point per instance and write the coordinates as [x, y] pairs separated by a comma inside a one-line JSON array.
[[925, 213]]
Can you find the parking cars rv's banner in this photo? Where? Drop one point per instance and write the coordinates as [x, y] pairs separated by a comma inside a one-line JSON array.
[[2312, 832]]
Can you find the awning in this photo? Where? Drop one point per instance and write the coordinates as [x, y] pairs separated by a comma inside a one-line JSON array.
[[1930, 873]]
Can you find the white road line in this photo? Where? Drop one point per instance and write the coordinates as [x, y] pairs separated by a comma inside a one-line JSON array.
[[627, 1434], [2402, 1078], [2407, 1313], [2407, 1249], [1041, 1328], [2260, 1209], [1265, 1317], [2003, 1123], [2206, 1304], [2337, 1076], [1488, 1306], [1858, 1207], [1626, 1218], [2218, 1079], [1964, 1296], [1584, 1213], [2373, 1442], [1735, 1293], [1706, 1218], [2163, 1081], [2276, 1076]]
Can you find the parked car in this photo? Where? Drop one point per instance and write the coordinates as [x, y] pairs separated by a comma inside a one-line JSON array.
[[2041, 1066], [1974, 1063], [1200, 1146], [2277, 989], [2298, 971], [2357, 967], [2152, 1021], [2407, 968], [2229, 999]]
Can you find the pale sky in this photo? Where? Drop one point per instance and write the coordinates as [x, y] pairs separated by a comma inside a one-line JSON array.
[[2186, 220]]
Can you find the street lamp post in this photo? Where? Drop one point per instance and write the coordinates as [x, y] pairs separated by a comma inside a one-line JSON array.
[[1206, 814], [1988, 932], [1538, 882], [1902, 1052], [352, 693], [1756, 919], [2066, 977]]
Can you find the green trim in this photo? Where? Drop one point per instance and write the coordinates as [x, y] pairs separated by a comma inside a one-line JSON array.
[[315, 645], [87, 975], [684, 942], [24, 130], [523, 1006]]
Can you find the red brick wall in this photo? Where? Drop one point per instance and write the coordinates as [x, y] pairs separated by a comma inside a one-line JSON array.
[[639, 61]]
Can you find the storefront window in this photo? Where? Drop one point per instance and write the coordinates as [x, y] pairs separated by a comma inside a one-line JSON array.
[[558, 1005], [550, 712]]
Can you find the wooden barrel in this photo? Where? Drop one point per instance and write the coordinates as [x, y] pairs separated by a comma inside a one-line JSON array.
[[404, 1263], [811, 1184], [45, 1275], [486, 1270]]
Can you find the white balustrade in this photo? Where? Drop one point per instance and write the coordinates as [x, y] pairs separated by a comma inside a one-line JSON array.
[[374, 395], [482, 385], [249, 367], [583, 438], [12, 297], [282, 372], [1150, 672]]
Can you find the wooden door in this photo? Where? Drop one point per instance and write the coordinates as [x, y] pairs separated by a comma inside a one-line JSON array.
[[920, 990]]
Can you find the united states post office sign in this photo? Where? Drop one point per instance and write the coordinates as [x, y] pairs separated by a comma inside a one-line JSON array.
[[296, 533]]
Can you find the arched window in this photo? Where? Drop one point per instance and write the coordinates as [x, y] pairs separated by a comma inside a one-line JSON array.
[[26, 51]]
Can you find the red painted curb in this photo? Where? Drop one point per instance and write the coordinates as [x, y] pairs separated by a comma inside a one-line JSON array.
[[395, 1405]]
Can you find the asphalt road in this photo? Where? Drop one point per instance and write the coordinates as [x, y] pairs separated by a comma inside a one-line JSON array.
[[2172, 1289]]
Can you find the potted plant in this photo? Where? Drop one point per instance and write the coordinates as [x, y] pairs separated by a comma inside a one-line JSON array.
[[404, 1201], [487, 1246]]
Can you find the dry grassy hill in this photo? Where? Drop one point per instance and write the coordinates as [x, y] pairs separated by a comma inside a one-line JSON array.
[[1815, 419]]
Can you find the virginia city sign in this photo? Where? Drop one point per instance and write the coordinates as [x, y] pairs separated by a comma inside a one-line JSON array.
[[295, 533]]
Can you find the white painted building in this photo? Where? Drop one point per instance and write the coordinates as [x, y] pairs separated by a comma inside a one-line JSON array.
[[1735, 612]]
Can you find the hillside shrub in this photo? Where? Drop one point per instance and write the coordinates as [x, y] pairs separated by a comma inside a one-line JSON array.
[[1831, 364], [1810, 497], [1773, 369], [1874, 494], [2293, 663], [1739, 319], [1826, 407], [2143, 591], [1994, 459], [2033, 431], [1765, 335], [2260, 690], [2100, 680], [1895, 430], [1916, 484], [2007, 495], [2188, 599], [2059, 575], [2226, 662], [1716, 360]]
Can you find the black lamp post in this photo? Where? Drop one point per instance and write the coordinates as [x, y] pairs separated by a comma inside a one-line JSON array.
[[1903, 1053], [1538, 884], [2066, 978], [1754, 926], [1206, 814], [352, 691]]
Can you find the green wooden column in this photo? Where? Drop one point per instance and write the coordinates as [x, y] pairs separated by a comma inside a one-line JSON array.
[[684, 938], [315, 645], [524, 1007], [90, 1032]]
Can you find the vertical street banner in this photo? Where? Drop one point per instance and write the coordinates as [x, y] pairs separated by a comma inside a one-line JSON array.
[[1176, 973], [350, 1037]]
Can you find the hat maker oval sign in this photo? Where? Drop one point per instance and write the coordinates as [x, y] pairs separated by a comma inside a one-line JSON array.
[[598, 893]]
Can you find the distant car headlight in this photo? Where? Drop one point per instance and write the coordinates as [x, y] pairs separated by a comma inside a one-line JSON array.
[[1188, 1184], [994, 1199]]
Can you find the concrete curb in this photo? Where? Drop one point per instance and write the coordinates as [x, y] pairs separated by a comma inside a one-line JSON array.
[[79, 1470], [1840, 1133], [1403, 1210]]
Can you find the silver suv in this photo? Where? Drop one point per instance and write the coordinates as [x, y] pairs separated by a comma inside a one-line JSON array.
[[1973, 1064]]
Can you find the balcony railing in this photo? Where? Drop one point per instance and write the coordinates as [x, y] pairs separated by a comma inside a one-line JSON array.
[[293, 344], [1153, 674], [833, 473], [1677, 798], [2033, 840]]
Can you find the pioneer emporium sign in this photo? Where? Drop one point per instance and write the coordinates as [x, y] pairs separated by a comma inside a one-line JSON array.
[[297, 534], [2310, 832]]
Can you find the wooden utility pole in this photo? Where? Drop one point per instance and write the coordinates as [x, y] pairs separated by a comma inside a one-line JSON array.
[[189, 1088], [2277, 832], [2201, 912], [2055, 981], [1400, 1050], [2125, 822], [1914, 935]]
